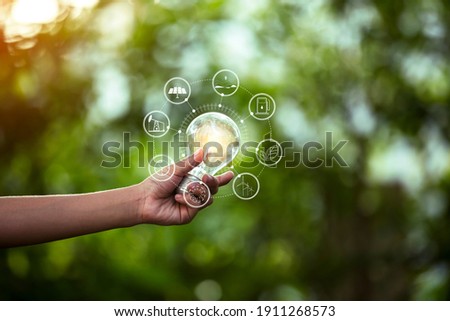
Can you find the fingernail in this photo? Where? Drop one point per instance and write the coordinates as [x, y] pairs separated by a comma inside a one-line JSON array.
[[198, 155]]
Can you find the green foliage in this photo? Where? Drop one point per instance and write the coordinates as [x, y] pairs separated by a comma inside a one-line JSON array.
[[375, 73]]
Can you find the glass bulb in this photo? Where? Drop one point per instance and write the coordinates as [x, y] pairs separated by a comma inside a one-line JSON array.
[[219, 137]]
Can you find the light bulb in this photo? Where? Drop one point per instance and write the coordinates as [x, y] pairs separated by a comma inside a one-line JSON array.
[[219, 137]]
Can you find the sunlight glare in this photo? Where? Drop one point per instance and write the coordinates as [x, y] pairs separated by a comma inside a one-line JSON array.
[[32, 11], [81, 3]]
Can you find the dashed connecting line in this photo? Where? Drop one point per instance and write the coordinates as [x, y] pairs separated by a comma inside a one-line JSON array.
[[270, 128], [201, 80], [225, 83], [163, 107], [245, 89]]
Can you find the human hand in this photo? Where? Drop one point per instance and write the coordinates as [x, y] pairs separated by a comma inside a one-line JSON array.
[[161, 205]]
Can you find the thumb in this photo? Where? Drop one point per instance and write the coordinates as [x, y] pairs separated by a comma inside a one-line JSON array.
[[184, 166]]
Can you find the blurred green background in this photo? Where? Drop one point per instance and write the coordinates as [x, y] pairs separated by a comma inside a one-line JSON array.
[[75, 74]]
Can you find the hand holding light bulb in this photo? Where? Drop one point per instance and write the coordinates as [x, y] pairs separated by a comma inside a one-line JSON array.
[[219, 137], [162, 207]]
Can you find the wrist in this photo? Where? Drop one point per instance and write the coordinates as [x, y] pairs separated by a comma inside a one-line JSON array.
[[135, 203], [128, 201], [141, 196]]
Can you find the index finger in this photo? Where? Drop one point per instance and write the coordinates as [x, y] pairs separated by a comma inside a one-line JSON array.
[[225, 178]]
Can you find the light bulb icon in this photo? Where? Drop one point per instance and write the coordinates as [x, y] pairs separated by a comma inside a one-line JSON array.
[[219, 137]]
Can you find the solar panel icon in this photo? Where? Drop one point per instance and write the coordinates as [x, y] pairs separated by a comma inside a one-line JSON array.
[[177, 90]]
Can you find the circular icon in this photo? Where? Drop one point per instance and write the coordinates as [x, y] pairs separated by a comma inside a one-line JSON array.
[[196, 194], [246, 186], [177, 90], [262, 106], [161, 168], [225, 82], [156, 123], [269, 152]]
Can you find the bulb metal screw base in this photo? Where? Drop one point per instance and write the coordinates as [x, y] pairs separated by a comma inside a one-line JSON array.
[[195, 193]]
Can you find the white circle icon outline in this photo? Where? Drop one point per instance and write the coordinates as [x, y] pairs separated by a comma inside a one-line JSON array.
[[158, 127], [234, 187], [177, 90], [263, 161], [264, 108], [214, 80], [160, 175], [187, 192]]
